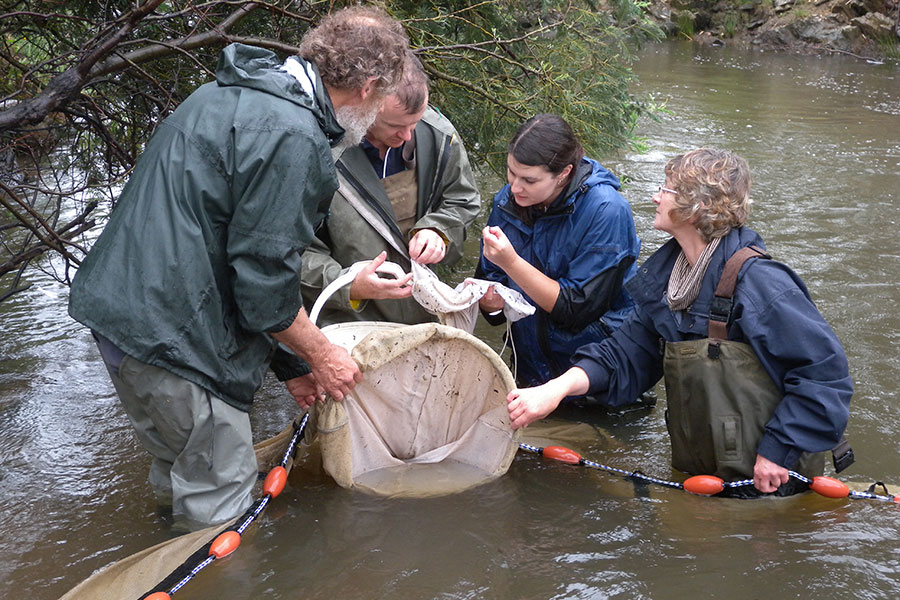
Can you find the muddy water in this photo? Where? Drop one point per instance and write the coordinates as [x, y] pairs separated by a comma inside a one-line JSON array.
[[823, 138]]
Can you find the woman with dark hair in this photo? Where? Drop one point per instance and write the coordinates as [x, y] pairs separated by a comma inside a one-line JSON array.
[[756, 381], [560, 233]]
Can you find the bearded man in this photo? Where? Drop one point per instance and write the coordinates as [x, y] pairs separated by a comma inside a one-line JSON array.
[[195, 278]]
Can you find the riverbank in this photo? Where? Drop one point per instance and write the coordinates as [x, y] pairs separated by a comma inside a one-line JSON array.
[[866, 29]]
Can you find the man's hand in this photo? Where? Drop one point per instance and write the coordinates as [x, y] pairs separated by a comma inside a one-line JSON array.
[[334, 370], [368, 285], [427, 247], [497, 248], [305, 390], [767, 475]]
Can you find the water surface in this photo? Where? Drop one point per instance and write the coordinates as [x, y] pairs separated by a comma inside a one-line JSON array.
[[822, 135]]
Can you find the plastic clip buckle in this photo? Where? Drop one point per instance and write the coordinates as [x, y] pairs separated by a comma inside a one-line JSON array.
[[842, 455], [720, 309]]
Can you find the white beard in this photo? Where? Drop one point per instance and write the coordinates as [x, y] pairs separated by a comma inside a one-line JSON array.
[[356, 121]]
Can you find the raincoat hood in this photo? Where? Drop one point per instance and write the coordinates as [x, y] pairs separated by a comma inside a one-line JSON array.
[[252, 67]]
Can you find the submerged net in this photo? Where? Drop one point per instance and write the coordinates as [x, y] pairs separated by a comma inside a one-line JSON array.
[[135, 575], [429, 417]]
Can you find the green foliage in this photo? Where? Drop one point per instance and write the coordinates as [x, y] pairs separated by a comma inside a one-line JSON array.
[[493, 64], [890, 47], [731, 23], [684, 20]]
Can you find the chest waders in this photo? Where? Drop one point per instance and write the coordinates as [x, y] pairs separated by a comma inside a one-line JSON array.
[[403, 191], [720, 397]]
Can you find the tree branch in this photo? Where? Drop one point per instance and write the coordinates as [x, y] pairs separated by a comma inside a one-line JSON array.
[[69, 83]]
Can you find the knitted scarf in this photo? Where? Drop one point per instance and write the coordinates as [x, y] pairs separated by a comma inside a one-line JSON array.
[[685, 280]]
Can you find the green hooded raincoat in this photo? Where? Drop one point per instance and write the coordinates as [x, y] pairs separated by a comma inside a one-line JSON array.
[[201, 256]]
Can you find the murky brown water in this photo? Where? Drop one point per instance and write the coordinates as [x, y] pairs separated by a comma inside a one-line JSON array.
[[823, 138]]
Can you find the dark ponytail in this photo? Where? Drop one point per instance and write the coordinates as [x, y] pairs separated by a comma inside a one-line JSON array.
[[546, 140]]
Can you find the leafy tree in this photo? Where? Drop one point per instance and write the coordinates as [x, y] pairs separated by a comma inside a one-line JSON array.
[[83, 84]]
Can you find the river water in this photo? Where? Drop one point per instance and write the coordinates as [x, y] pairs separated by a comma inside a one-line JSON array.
[[822, 135]]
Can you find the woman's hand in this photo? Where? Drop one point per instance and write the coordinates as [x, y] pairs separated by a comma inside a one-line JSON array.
[[767, 475], [528, 405], [427, 247], [368, 285], [497, 248], [491, 301]]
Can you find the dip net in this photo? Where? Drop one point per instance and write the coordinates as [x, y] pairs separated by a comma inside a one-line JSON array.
[[428, 418]]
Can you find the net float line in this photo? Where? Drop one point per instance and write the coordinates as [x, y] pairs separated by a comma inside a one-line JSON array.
[[228, 541], [710, 485]]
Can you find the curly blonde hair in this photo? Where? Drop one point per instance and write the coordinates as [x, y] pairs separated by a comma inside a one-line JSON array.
[[353, 44], [713, 190]]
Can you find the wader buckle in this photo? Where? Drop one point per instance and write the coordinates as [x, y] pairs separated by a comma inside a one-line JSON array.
[[720, 309], [719, 312], [842, 455]]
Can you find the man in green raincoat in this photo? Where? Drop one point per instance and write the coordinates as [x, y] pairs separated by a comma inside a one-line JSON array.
[[407, 192], [195, 278]]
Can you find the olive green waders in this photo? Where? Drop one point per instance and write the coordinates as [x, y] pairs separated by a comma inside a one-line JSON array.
[[720, 398], [718, 409], [202, 448]]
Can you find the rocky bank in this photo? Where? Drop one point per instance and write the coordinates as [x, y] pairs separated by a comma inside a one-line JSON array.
[[867, 29]]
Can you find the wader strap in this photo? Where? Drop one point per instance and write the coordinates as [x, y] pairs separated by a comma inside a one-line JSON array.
[[720, 311], [720, 308]]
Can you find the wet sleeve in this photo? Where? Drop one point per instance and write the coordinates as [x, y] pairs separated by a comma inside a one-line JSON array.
[[802, 354], [578, 306], [320, 268], [596, 271], [287, 365], [623, 365]]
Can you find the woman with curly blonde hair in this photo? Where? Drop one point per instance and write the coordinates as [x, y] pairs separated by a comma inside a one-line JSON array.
[[757, 383]]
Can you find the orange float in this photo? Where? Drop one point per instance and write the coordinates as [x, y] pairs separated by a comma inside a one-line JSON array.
[[704, 485], [562, 454], [830, 488], [158, 596], [275, 481], [225, 544]]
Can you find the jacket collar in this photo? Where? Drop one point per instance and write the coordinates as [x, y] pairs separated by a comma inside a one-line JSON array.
[[650, 283], [308, 76]]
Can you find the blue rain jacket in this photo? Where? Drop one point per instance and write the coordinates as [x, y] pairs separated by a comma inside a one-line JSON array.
[[586, 241], [772, 312]]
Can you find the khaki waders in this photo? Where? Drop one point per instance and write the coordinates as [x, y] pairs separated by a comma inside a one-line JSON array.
[[720, 398]]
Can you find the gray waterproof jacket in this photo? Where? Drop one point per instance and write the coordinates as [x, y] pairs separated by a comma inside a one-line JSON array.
[[448, 201], [201, 257]]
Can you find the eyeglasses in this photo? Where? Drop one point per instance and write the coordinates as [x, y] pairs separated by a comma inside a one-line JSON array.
[[665, 189]]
